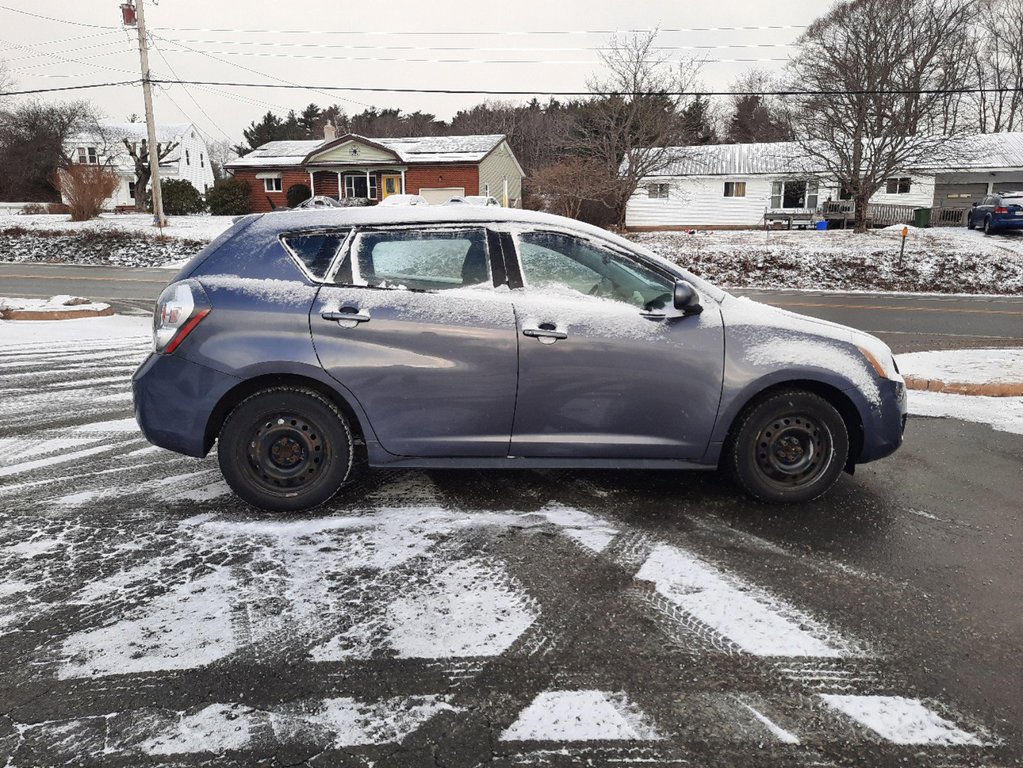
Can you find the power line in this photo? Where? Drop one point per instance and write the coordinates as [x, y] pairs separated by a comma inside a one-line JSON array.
[[69, 88], [700, 94], [409, 60], [189, 94], [51, 18]]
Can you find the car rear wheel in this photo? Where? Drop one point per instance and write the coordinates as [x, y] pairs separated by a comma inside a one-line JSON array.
[[789, 447], [987, 225], [285, 449]]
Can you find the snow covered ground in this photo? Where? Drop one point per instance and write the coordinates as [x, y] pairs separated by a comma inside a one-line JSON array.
[[942, 260], [199, 227], [147, 617]]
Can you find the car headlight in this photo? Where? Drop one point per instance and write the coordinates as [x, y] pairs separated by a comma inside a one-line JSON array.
[[882, 361]]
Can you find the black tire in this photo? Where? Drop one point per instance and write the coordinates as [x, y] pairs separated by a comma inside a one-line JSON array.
[[285, 449], [788, 447], [970, 223], [987, 225]]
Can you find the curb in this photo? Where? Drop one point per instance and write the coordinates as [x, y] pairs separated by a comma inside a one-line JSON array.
[[989, 389], [53, 314]]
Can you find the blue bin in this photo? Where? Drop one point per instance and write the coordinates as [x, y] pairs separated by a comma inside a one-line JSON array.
[[822, 224]]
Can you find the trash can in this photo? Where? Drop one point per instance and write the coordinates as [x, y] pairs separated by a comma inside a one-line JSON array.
[[822, 224], [921, 217]]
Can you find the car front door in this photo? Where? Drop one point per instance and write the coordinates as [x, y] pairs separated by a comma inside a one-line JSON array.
[[607, 367], [413, 327]]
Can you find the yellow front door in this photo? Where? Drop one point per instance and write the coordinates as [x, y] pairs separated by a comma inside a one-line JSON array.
[[391, 185]]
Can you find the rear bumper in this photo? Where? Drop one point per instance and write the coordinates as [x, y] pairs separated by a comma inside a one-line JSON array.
[[1007, 222], [885, 423], [174, 399]]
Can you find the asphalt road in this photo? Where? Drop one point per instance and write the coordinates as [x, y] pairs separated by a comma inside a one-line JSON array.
[[559, 618], [908, 323]]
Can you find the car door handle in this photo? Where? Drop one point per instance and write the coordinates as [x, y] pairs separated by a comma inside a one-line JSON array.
[[353, 315], [545, 335]]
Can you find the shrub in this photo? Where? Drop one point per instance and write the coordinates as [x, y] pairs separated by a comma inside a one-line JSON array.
[[180, 198], [86, 188], [57, 208], [31, 209], [298, 193], [230, 197]]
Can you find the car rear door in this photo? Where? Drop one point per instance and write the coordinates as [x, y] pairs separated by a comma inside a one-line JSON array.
[[413, 327], [602, 373]]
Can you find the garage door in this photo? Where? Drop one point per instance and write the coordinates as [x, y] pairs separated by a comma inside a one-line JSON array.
[[959, 195], [438, 195]]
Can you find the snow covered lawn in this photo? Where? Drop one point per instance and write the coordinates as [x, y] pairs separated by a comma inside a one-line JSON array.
[[203, 228], [940, 260]]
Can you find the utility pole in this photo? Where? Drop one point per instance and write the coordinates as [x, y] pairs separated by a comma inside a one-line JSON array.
[[147, 92]]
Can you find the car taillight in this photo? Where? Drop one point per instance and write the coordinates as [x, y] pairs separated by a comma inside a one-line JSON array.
[[180, 308], [1001, 210]]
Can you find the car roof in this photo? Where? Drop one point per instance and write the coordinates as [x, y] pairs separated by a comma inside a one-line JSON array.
[[285, 221]]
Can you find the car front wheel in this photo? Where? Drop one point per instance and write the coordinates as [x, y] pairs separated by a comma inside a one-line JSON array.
[[285, 449], [970, 224], [789, 447]]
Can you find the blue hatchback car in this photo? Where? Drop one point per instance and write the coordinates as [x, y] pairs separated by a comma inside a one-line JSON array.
[[462, 336], [1000, 211]]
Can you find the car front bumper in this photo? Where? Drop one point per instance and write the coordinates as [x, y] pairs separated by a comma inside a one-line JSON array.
[[174, 399], [884, 427]]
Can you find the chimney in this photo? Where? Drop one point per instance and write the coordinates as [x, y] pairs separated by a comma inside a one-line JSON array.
[[329, 134]]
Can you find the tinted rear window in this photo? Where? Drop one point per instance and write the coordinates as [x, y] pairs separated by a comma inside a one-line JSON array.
[[316, 250], [1013, 200]]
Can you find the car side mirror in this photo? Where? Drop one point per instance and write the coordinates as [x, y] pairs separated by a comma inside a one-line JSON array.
[[974, 205], [686, 298]]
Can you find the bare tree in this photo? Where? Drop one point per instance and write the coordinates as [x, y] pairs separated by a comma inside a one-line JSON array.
[[137, 150], [877, 77], [6, 79], [998, 57], [565, 186], [634, 124], [34, 141]]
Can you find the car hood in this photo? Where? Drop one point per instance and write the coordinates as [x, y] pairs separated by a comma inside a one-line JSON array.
[[740, 311]]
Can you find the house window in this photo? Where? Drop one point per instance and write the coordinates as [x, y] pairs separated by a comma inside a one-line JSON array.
[[798, 194], [88, 156], [202, 160], [357, 185], [273, 185], [188, 158], [131, 189], [735, 189], [657, 191], [899, 186]]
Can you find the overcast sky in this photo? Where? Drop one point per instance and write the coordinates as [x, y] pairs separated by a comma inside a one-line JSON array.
[[335, 43]]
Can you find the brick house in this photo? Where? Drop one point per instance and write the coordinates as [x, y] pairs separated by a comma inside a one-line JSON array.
[[436, 167]]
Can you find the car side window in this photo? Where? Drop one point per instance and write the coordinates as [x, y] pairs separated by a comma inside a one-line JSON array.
[[430, 260], [559, 261], [316, 250]]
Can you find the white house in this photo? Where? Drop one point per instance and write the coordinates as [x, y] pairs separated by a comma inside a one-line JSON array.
[[738, 185], [189, 160]]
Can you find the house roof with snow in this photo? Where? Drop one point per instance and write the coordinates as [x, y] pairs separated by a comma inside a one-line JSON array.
[[979, 152], [417, 149]]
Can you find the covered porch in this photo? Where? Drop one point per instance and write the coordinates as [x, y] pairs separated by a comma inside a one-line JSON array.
[[370, 182]]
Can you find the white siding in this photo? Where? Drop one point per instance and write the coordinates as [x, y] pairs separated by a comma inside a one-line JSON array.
[[497, 167], [699, 201]]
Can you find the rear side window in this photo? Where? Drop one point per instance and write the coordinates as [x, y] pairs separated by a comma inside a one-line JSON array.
[[316, 250], [1012, 200], [422, 260]]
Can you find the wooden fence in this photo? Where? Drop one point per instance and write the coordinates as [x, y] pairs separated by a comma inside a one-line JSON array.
[[840, 213]]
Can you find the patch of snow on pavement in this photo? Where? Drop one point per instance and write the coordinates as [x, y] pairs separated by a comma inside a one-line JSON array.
[[1002, 413], [189, 626], [901, 720], [580, 716], [753, 620], [354, 723], [112, 328], [216, 728]]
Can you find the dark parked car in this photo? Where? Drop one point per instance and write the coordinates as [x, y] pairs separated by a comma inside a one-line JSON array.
[[488, 337], [1003, 210]]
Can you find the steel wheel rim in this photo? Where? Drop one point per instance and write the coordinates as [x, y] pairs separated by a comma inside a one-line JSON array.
[[793, 450], [286, 452]]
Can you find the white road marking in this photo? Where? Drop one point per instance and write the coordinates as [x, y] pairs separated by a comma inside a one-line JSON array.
[[749, 617], [580, 716], [785, 737], [901, 720]]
